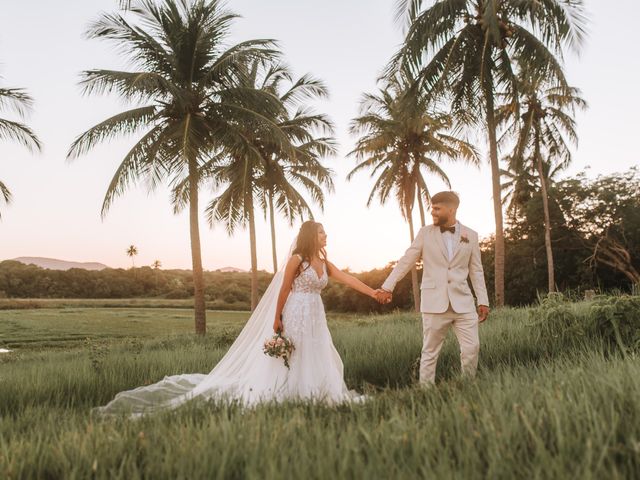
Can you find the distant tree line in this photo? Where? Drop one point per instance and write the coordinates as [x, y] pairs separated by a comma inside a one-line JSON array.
[[225, 290]]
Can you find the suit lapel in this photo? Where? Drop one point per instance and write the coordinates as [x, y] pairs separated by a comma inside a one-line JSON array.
[[440, 242], [458, 246]]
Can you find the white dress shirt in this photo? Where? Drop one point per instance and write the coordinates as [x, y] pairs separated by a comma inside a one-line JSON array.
[[451, 240]]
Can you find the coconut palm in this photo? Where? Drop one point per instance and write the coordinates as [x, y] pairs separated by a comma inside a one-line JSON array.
[[285, 177], [235, 177], [156, 266], [189, 83], [259, 169], [520, 186], [286, 171], [132, 251], [401, 140], [542, 133], [466, 50], [18, 101]]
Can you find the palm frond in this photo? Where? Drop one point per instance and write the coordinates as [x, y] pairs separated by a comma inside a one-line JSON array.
[[123, 123], [20, 133], [16, 100], [132, 166], [5, 194]]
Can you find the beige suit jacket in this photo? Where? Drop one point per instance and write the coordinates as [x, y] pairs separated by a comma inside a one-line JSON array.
[[444, 281]]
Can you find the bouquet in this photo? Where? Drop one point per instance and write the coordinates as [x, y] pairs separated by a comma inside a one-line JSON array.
[[279, 346]]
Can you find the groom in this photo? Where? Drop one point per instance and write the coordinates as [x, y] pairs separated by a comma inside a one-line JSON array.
[[450, 254]]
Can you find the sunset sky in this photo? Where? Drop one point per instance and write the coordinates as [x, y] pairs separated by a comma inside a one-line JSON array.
[[56, 207]]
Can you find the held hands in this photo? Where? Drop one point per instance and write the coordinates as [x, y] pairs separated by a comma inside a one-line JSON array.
[[483, 313], [382, 296]]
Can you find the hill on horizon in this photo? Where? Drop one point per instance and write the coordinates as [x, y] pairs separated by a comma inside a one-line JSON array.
[[56, 264]]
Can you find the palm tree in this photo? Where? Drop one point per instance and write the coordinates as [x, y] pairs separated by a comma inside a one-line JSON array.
[[541, 133], [244, 179], [285, 170], [259, 168], [20, 102], [285, 175], [518, 187], [521, 186], [471, 47], [237, 175], [156, 266], [399, 139], [190, 85], [132, 251]]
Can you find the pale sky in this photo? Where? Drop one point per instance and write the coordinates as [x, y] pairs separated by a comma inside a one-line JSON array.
[[56, 207]]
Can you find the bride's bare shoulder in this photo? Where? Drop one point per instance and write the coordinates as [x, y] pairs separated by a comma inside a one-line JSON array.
[[292, 266], [295, 260]]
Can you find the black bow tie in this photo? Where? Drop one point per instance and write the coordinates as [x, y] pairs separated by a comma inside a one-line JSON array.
[[448, 229]]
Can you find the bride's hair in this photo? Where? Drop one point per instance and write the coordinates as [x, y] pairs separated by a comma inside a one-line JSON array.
[[307, 244]]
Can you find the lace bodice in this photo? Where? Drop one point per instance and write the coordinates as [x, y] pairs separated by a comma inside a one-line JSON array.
[[308, 280]]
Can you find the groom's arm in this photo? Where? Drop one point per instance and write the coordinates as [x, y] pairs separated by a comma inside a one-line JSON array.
[[476, 274], [406, 263]]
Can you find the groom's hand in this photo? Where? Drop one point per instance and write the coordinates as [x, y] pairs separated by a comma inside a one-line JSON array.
[[383, 297], [483, 313]]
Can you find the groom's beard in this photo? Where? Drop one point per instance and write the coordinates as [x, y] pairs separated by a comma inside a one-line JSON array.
[[439, 221]]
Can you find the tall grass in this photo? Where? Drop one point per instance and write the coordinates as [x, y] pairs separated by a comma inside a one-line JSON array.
[[544, 405]]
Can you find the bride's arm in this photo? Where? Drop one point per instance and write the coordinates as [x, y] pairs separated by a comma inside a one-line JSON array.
[[349, 280], [289, 275]]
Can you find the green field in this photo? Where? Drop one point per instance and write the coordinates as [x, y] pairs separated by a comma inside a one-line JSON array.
[[555, 398]]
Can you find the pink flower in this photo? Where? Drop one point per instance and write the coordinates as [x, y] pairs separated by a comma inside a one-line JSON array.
[[279, 347]]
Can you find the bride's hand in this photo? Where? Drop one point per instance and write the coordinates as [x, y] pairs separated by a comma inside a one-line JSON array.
[[277, 325], [382, 296]]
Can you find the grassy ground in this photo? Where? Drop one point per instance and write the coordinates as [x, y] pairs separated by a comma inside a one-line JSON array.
[[545, 404], [34, 303], [31, 330]]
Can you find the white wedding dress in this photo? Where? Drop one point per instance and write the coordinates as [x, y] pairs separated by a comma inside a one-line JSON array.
[[248, 376]]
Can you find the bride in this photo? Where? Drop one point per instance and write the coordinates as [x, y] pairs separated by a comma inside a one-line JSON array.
[[291, 305]]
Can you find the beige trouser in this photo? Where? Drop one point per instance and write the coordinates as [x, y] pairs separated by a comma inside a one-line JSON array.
[[435, 327]]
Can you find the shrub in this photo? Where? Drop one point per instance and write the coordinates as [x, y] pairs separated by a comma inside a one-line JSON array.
[[617, 319], [554, 318]]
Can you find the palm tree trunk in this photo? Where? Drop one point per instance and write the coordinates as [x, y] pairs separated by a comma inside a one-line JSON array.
[[254, 254], [196, 252], [273, 233], [414, 273], [421, 206], [497, 198], [547, 216]]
